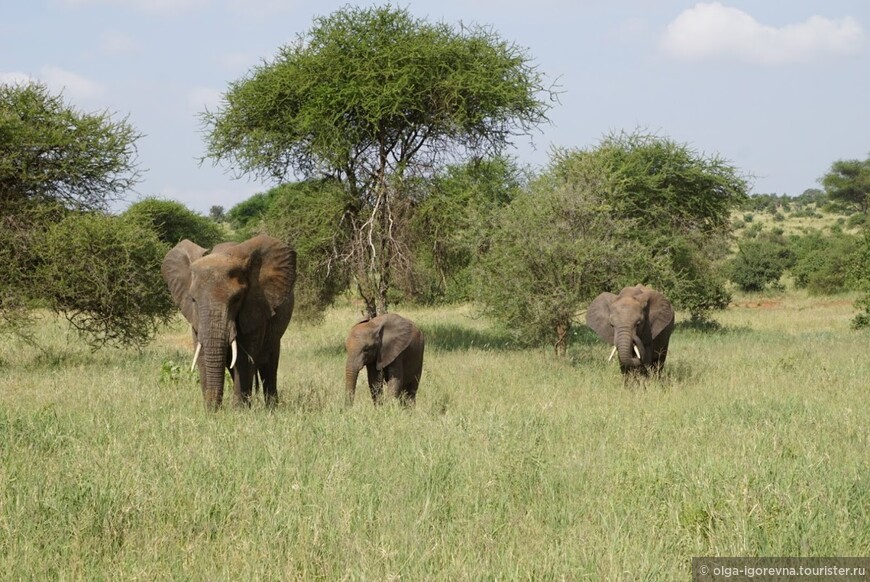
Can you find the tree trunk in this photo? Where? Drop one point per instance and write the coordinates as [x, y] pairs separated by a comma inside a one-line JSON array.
[[561, 346]]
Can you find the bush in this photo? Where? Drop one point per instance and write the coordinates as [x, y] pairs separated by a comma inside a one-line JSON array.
[[452, 224], [759, 263], [103, 274], [856, 220], [823, 264], [309, 217], [554, 249], [173, 222]]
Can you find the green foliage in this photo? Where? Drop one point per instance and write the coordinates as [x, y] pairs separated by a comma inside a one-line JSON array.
[[377, 99], [310, 217], [848, 182], [856, 220], [53, 159], [173, 222], [689, 273], [453, 222], [860, 276], [363, 80], [553, 249], [103, 274], [680, 202], [666, 185], [50, 152], [245, 217], [823, 265], [759, 263]]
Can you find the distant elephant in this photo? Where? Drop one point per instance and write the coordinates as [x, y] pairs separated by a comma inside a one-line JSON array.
[[391, 349], [238, 300], [638, 323]]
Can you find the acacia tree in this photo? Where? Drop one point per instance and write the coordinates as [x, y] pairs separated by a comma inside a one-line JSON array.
[[848, 181], [375, 98], [50, 152], [54, 160], [681, 201]]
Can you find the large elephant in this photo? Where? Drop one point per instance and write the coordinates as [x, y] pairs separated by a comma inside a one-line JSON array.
[[238, 300], [391, 349], [638, 323]]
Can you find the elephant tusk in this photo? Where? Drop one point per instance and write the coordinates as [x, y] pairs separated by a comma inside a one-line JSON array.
[[235, 354], [636, 351], [613, 351], [195, 356]]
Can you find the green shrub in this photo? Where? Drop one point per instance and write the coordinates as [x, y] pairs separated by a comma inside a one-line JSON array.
[[759, 263], [856, 220], [308, 216], [823, 264], [103, 274], [173, 222]]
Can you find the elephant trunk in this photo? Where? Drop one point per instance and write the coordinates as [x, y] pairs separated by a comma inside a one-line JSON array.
[[351, 373], [215, 336], [630, 349]]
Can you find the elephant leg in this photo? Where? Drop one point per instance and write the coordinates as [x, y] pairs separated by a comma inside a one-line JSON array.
[[659, 360], [394, 387], [408, 396], [394, 375], [269, 377], [376, 383], [243, 380]]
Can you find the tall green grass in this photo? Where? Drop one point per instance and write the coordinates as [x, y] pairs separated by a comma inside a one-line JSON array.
[[513, 465]]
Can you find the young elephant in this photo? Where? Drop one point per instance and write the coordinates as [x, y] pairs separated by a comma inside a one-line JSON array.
[[391, 349], [638, 323]]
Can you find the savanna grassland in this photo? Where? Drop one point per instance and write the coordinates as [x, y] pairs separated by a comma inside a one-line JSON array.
[[513, 465]]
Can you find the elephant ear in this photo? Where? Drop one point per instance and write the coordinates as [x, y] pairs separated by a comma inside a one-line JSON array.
[[176, 272], [661, 313], [598, 316], [396, 335], [271, 277]]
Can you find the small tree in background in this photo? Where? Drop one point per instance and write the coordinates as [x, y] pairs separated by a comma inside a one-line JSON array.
[[246, 217], [453, 223], [860, 275], [52, 153], [216, 213], [848, 182], [377, 100], [309, 216], [173, 222], [823, 265], [759, 263], [551, 252], [681, 202]]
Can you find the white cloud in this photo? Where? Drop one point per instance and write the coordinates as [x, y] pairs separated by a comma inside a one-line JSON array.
[[711, 31], [201, 98], [74, 87]]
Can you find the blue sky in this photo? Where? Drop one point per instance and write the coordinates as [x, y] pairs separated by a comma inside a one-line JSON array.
[[779, 88]]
